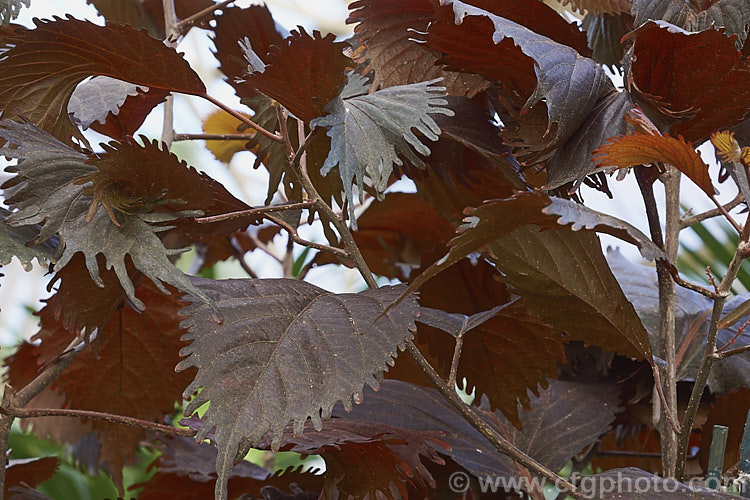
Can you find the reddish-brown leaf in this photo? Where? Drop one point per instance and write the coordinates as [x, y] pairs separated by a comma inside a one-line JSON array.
[[153, 178], [385, 32], [79, 303], [641, 149], [255, 23], [563, 420], [540, 18], [367, 459], [30, 472], [129, 371], [40, 71], [504, 357], [304, 74], [676, 72], [131, 114]]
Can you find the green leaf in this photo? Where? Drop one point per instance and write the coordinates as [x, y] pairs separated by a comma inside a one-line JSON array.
[[9, 10], [287, 351], [369, 132]]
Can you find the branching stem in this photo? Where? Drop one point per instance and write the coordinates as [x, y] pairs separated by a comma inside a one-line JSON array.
[[213, 137], [186, 23], [96, 415], [244, 119], [253, 211]]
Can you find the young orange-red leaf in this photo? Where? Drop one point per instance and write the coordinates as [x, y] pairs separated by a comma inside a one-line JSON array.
[[639, 149], [42, 67]]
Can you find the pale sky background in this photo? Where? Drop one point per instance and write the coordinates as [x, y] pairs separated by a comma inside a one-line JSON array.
[[19, 290]]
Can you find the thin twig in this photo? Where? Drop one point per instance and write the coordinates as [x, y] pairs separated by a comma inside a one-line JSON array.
[[723, 211], [454, 362], [244, 119], [731, 352], [740, 331], [709, 351], [292, 231], [188, 22], [690, 285], [711, 279], [213, 137], [667, 240], [95, 415], [253, 211], [21, 398], [714, 212], [240, 255], [171, 33]]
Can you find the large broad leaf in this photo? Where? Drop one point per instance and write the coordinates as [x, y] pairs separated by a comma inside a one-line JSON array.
[[13, 244], [47, 191], [304, 74], [43, 191], [564, 279], [562, 421], [732, 15], [497, 218], [287, 351], [369, 132], [129, 372], [675, 71], [642, 149], [570, 84], [573, 160], [42, 67], [385, 30]]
